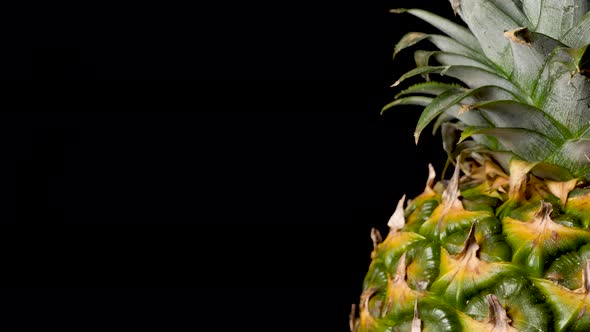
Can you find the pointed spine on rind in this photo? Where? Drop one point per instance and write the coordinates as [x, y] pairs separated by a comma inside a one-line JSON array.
[[498, 315], [397, 220], [430, 181], [416, 322], [519, 170]]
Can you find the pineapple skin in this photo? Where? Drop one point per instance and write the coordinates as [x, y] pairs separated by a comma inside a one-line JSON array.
[[474, 254]]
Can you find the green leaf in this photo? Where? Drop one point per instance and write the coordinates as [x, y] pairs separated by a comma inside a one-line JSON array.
[[579, 35], [509, 113], [412, 100], [575, 156], [473, 77], [552, 67], [453, 30], [568, 101], [549, 171], [443, 43], [449, 137], [532, 9], [470, 131], [450, 45], [409, 39], [430, 88], [526, 144], [562, 93], [443, 102], [585, 133], [466, 119], [488, 22], [452, 59], [530, 53], [512, 10], [419, 71], [445, 117], [422, 58], [555, 17], [451, 98], [581, 59]]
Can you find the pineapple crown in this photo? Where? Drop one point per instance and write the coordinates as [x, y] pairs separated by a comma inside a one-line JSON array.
[[524, 66]]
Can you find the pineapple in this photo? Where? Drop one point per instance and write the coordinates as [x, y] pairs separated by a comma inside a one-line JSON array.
[[504, 244]]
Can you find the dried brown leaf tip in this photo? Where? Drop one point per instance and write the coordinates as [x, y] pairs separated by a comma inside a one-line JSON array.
[[456, 5], [520, 36]]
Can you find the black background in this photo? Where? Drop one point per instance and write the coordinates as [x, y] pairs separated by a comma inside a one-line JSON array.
[[240, 199]]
